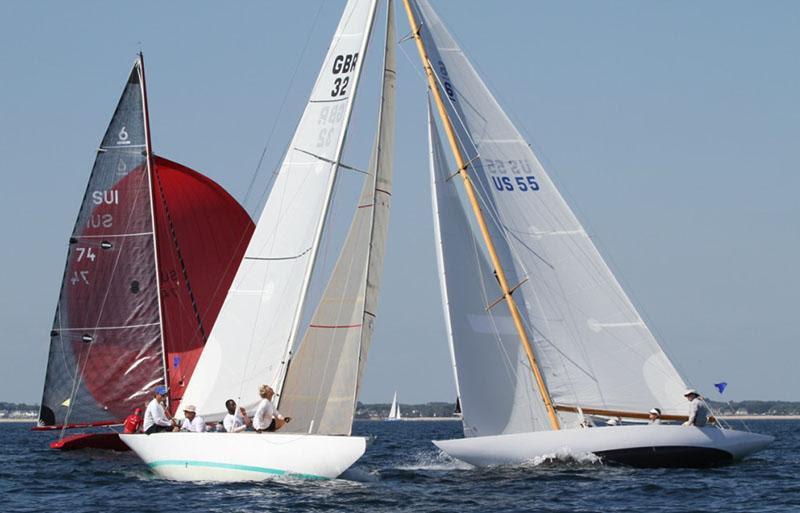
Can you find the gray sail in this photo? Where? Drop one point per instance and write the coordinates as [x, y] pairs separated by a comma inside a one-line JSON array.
[[105, 344]]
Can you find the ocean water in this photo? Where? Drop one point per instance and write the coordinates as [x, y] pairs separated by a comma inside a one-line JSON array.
[[401, 471]]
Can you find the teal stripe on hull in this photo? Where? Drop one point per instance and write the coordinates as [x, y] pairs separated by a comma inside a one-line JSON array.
[[229, 466]]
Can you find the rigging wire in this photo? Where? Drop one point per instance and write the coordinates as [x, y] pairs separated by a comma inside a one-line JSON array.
[[289, 88], [496, 218]]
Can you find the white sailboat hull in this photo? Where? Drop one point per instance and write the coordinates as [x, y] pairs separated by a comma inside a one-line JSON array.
[[643, 445], [245, 456]]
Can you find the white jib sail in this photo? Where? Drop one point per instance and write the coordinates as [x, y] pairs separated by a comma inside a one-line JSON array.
[[594, 348], [257, 324], [497, 390], [394, 409], [321, 385]]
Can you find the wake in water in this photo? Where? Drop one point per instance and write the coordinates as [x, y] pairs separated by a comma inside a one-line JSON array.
[[564, 455], [427, 460]]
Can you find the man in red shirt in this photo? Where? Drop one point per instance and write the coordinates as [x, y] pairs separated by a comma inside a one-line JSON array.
[[133, 424]]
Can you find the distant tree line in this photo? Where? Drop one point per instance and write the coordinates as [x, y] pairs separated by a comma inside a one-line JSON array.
[[18, 407], [442, 409], [757, 407], [381, 410]]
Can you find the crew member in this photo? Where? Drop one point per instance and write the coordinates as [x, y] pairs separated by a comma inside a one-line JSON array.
[[236, 420], [655, 416], [133, 423], [156, 418], [267, 417], [192, 422], [698, 411]]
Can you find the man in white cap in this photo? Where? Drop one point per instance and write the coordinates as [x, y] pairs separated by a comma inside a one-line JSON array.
[[655, 416], [155, 417], [192, 422], [698, 412]]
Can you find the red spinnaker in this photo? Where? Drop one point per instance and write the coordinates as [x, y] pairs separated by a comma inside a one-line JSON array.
[[201, 235]]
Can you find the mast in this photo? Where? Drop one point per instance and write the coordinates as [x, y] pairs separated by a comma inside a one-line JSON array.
[[471, 195], [327, 203], [149, 160]]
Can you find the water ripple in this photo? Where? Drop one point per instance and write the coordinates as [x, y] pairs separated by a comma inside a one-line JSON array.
[[402, 471]]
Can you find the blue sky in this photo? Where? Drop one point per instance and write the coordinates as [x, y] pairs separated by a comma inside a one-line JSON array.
[[670, 127]]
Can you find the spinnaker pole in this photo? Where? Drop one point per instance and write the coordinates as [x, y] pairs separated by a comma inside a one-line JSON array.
[[473, 200]]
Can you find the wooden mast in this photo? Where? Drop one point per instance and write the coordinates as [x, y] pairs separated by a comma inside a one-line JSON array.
[[462, 171]]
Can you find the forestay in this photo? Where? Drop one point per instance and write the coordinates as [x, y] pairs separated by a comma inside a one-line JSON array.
[[594, 348], [495, 384], [257, 325], [105, 346], [321, 386]]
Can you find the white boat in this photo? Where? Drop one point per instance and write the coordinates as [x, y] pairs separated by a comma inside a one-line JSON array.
[[394, 410], [541, 334], [270, 330], [637, 445], [245, 456]]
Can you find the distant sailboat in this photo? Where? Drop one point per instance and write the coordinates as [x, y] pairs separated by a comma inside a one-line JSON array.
[[260, 336], [540, 331], [150, 258], [394, 410]]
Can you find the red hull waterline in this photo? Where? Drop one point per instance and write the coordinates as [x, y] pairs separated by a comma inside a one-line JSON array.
[[106, 441]]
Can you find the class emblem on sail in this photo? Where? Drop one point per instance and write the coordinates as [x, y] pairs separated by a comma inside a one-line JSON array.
[[540, 331], [151, 255], [263, 334]]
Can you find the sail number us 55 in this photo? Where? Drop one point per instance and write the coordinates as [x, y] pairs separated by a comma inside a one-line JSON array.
[[521, 171]]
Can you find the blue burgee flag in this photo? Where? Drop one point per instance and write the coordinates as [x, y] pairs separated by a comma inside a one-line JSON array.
[[176, 360], [721, 386]]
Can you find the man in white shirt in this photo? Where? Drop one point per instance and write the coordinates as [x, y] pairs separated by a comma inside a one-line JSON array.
[[155, 417], [192, 422], [698, 411], [236, 420], [267, 417]]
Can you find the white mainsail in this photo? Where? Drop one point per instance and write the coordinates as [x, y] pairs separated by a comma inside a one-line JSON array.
[[497, 392], [594, 348], [394, 409], [321, 385], [258, 324]]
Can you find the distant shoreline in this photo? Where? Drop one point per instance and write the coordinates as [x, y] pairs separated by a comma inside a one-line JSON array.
[[723, 417], [411, 419], [759, 417], [451, 419]]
